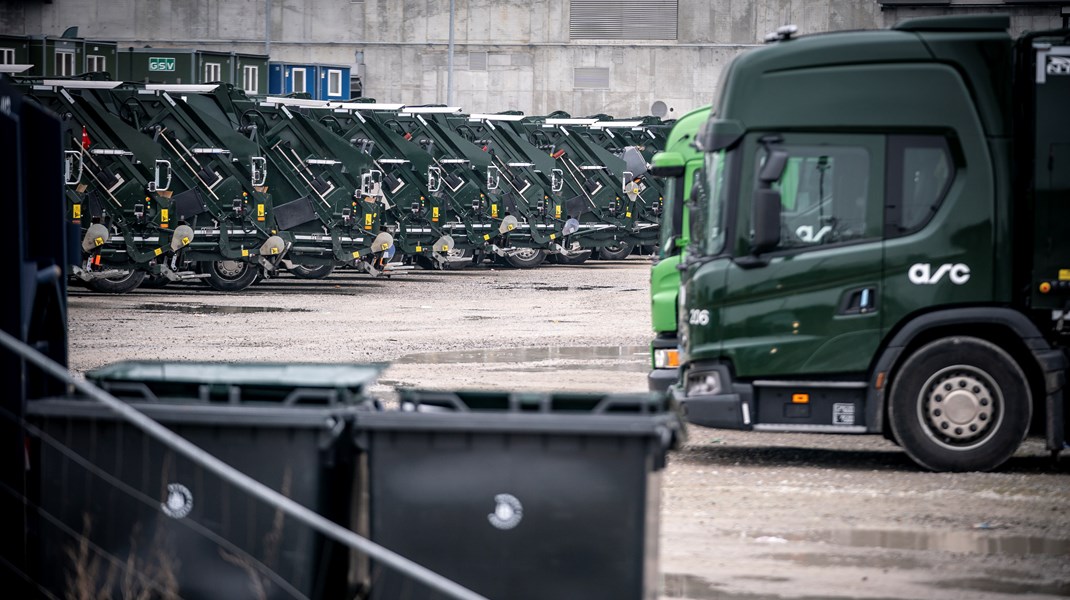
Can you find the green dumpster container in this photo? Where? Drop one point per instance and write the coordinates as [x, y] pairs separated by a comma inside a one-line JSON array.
[[122, 515], [519, 496]]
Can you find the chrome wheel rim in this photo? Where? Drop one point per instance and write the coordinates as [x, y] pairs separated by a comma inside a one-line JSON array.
[[960, 407]]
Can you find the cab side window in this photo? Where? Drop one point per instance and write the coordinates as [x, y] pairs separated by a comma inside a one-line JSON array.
[[920, 171], [824, 195]]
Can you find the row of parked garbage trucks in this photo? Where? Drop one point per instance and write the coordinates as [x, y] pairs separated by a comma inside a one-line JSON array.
[[176, 182]]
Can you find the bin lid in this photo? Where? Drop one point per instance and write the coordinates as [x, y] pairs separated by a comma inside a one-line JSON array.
[[324, 375], [206, 415], [240, 383], [476, 411]]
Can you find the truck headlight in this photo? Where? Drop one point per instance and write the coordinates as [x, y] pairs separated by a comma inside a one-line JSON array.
[[666, 358], [704, 384]]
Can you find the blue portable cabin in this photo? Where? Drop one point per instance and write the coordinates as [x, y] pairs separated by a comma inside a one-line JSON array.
[[332, 82], [319, 81], [286, 78]]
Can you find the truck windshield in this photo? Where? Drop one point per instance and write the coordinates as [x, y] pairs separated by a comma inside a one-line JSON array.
[[712, 197], [671, 221]]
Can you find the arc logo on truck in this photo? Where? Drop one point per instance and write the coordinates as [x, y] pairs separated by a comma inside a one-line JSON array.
[[1058, 65], [924, 274]]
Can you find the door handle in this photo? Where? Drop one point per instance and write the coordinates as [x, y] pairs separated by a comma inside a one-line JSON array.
[[858, 301]]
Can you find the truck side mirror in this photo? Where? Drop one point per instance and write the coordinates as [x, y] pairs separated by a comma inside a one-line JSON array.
[[696, 212], [766, 220], [775, 161]]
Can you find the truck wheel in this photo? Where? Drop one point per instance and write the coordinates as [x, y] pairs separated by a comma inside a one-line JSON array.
[[118, 284], [230, 275], [615, 251], [960, 404], [525, 258], [317, 272], [574, 258]]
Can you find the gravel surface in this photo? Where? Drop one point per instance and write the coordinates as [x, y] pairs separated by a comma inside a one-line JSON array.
[[743, 515]]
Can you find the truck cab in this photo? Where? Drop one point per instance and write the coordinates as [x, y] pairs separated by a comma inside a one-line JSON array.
[[680, 165], [883, 241]]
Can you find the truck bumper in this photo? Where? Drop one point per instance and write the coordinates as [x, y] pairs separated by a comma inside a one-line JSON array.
[[727, 407], [659, 380]]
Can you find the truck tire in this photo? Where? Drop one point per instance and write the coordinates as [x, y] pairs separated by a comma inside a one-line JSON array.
[[230, 275], [960, 404], [525, 258], [119, 284], [306, 272], [575, 258], [615, 251]]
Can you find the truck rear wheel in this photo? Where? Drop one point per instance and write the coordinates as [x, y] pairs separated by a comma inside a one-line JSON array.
[[572, 258], [960, 404], [230, 275], [117, 284], [316, 272], [525, 258], [615, 251]]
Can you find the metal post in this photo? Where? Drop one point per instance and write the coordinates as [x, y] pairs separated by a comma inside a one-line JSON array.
[[267, 27], [449, 68]]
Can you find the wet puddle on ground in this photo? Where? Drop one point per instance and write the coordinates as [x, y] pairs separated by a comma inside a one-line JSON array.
[[684, 585], [610, 358], [206, 309], [965, 542]]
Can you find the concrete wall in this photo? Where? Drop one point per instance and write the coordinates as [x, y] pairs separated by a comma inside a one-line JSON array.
[[399, 47]]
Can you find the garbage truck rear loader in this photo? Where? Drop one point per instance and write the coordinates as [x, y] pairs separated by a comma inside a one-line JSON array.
[[884, 245]]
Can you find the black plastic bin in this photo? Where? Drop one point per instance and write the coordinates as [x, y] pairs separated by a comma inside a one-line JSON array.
[[519, 496], [122, 513]]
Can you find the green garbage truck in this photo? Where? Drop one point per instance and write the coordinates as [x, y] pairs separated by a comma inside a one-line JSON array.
[[680, 166], [884, 244]]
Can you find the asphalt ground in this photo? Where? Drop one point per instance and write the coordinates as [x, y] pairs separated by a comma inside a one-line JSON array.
[[743, 515]]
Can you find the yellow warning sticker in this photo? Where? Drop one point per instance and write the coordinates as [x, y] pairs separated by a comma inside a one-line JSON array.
[[384, 246], [445, 248], [77, 211], [512, 227], [244, 252], [1064, 274], [356, 255], [494, 210], [274, 250], [557, 211], [553, 236], [99, 241], [158, 251], [185, 241], [260, 210], [486, 236], [628, 214], [419, 249], [163, 215], [368, 220]]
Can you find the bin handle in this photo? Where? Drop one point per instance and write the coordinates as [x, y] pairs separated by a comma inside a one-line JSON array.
[[300, 395], [444, 397], [612, 401], [135, 387], [518, 399]]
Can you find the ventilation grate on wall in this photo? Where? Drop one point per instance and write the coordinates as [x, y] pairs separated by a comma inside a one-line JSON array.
[[477, 61], [590, 78], [623, 19]]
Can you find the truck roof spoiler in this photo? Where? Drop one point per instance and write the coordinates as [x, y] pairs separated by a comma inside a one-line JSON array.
[[956, 23]]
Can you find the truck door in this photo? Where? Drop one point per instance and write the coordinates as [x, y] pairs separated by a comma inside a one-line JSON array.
[[811, 305]]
